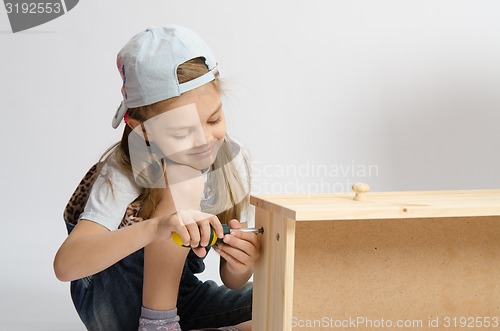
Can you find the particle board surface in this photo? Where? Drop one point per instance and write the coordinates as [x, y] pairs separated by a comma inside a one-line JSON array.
[[412, 269]]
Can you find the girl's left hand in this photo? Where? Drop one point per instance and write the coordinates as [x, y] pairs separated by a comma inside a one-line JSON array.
[[241, 250]]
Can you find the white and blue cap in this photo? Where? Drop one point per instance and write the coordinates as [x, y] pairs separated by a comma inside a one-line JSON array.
[[148, 66]]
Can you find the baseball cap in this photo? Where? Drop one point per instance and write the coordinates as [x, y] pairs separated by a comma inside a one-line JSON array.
[[148, 66]]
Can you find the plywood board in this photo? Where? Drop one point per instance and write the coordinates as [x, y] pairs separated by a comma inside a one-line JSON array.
[[405, 269], [273, 277], [381, 205]]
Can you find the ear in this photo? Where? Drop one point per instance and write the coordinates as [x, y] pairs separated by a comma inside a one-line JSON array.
[[132, 123]]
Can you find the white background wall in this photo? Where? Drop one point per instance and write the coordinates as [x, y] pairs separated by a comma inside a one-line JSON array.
[[400, 94]]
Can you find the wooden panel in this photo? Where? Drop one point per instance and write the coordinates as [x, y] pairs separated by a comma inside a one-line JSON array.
[[411, 269], [381, 205], [262, 276], [273, 278]]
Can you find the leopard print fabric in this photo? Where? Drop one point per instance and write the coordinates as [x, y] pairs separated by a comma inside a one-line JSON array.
[[78, 200]]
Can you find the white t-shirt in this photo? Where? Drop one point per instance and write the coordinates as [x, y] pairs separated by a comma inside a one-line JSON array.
[[112, 192], [115, 189]]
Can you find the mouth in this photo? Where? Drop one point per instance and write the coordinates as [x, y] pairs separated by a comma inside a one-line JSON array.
[[203, 153]]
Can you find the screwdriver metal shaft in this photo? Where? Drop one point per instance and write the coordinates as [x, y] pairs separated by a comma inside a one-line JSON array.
[[254, 230]]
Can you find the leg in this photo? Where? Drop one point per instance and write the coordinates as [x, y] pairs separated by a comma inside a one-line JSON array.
[[208, 305], [111, 299], [163, 265], [245, 326]]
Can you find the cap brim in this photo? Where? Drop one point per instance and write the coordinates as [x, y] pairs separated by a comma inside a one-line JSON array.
[[120, 112]]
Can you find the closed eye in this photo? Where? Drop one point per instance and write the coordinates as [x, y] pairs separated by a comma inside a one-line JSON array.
[[182, 134], [215, 121]]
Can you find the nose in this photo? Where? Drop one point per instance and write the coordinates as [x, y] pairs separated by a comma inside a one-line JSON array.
[[201, 137]]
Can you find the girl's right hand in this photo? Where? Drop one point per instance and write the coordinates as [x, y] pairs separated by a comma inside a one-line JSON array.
[[193, 226]]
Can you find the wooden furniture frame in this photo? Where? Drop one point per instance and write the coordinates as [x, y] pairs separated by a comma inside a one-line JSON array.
[[399, 257]]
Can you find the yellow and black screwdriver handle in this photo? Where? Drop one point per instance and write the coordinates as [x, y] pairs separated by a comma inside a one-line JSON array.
[[213, 237]]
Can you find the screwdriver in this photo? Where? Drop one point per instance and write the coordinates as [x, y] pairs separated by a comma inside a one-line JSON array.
[[213, 237]]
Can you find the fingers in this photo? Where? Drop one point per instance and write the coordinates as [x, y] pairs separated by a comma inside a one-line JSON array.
[[246, 242], [183, 233], [200, 251], [178, 226], [205, 231], [242, 240], [194, 234], [195, 228], [234, 224], [215, 224], [238, 259], [206, 224], [240, 248], [230, 259]]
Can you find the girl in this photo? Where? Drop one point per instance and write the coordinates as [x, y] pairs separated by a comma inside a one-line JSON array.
[[174, 169]]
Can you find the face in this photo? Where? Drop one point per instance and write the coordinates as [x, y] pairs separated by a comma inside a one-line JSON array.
[[189, 129]]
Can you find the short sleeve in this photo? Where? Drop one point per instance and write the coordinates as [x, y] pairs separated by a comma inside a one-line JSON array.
[[113, 190]]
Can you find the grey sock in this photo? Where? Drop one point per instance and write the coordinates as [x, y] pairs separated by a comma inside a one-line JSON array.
[[226, 328], [165, 320]]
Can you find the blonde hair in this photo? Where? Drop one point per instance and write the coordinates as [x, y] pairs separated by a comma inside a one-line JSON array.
[[229, 182]]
